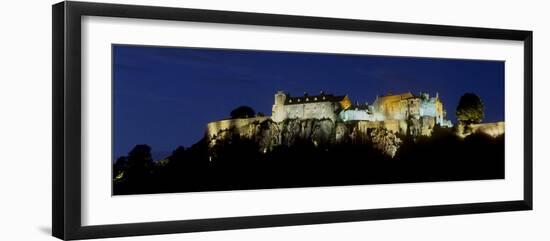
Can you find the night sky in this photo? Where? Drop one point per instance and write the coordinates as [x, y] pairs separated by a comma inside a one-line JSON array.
[[164, 96]]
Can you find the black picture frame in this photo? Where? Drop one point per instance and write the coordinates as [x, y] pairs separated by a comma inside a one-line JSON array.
[[67, 134]]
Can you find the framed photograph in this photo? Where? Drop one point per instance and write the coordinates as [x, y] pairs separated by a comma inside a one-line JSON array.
[[169, 120]]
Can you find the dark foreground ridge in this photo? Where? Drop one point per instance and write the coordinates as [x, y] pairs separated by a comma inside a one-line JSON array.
[[239, 163]]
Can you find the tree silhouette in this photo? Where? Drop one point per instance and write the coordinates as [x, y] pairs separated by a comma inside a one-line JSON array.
[[140, 162], [242, 112], [469, 109], [120, 166], [133, 173]]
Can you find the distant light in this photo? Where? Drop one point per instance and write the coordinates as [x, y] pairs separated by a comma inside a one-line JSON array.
[[119, 176]]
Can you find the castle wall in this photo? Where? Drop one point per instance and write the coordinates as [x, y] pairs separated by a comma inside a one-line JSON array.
[[434, 108], [428, 108], [395, 126], [278, 113], [393, 110], [317, 110], [353, 114], [213, 128], [493, 129]]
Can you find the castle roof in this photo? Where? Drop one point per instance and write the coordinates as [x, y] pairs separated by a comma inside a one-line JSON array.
[[313, 99], [402, 96]]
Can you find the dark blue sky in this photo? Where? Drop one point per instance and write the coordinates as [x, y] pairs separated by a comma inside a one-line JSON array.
[[164, 96]]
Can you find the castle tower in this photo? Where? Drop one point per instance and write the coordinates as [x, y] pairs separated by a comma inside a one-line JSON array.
[[278, 111]]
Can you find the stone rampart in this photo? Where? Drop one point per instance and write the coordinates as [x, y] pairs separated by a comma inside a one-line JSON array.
[[213, 128], [493, 129]]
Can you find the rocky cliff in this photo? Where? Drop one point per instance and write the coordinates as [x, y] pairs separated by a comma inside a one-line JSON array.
[[383, 135]]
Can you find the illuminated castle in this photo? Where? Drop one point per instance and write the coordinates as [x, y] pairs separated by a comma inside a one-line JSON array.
[[399, 107]]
